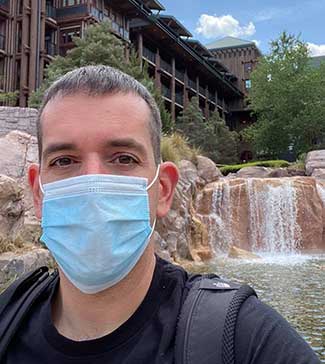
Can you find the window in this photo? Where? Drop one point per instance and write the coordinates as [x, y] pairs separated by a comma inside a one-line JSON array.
[[248, 66], [68, 34], [248, 84]]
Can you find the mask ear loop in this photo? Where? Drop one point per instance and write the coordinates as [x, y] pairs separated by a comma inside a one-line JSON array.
[[40, 184], [155, 178]]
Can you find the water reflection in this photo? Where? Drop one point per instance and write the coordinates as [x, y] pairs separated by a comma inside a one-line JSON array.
[[294, 285]]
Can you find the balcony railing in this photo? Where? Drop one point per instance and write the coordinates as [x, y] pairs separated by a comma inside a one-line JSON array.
[[202, 90], [72, 11], [179, 98], [166, 66], [50, 48], [2, 41], [166, 92], [4, 4], [96, 13], [212, 97], [50, 11], [149, 55], [192, 84], [179, 75]]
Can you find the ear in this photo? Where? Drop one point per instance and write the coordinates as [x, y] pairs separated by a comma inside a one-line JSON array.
[[33, 180], [168, 178]]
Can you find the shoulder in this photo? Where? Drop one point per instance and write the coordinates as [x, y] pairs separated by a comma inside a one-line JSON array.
[[264, 336]]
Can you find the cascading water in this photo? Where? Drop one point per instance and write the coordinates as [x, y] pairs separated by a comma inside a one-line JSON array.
[[256, 214], [273, 217]]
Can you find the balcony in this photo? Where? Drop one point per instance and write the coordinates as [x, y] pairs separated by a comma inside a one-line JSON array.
[[202, 90], [179, 75], [4, 4], [50, 11], [166, 92], [50, 48], [179, 98], [97, 14], [149, 55], [119, 30], [2, 42], [212, 97], [166, 66], [75, 11], [192, 84]]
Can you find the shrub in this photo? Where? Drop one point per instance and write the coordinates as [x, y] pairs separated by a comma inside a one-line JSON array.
[[271, 164], [175, 147]]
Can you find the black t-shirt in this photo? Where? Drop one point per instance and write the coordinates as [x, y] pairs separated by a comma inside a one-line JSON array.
[[148, 337]]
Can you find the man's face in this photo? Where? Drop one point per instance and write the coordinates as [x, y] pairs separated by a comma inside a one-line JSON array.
[[100, 135]]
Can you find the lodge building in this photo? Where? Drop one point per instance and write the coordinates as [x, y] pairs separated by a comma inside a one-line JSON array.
[[32, 32]]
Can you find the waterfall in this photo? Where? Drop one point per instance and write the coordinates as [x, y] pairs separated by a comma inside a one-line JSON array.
[[273, 216], [256, 214]]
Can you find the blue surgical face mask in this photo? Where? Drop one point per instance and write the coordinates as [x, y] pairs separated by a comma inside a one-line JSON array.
[[97, 227]]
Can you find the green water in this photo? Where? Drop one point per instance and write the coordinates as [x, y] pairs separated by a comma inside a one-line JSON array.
[[293, 285]]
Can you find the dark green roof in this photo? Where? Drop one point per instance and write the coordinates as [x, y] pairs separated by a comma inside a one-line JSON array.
[[230, 42], [316, 61]]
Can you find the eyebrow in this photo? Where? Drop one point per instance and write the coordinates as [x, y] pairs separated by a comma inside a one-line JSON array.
[[115, 143]]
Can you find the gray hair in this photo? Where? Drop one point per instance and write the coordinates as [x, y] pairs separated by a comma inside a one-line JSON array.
[[97, 81]]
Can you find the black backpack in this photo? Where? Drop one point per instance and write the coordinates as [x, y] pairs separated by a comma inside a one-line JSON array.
[[206, 327]]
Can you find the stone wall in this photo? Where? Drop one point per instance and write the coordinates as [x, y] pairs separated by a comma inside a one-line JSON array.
[[17, 118]]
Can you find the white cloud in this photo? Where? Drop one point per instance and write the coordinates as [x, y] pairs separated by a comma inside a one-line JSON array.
[[316, 50], [212, 26]]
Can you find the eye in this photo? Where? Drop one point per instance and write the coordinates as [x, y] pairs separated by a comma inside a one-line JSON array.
[[62, 162], [125, 160]]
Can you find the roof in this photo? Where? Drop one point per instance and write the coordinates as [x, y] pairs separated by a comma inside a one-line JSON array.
[[230, 42], [316, 61], [154, 5], [199, 47], [175, 25]]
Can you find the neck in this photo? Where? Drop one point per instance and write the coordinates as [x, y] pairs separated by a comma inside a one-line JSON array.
[[71, 311]]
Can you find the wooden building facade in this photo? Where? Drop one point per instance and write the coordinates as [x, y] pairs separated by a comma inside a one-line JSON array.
[[32, 32]]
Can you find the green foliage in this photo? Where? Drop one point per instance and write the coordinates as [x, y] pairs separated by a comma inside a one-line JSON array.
[[175, 147], [99, 46], [9, 98], [212, 136], [271, 164], [288, 97]]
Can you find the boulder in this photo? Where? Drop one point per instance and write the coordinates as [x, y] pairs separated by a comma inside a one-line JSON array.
[[17, 151], [14, 265], [254, 172], [315, 160], [237, 253], [207, 170], [318, 173], [279, 173]]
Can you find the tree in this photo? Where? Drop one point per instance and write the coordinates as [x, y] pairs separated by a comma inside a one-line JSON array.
[[100, 46], [211, 136], [287, 96]]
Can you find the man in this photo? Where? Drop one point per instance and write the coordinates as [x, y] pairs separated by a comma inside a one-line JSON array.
[[99, 188]]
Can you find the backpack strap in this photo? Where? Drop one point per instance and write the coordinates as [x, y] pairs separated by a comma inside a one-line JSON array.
[[206, 327], [17, 301]]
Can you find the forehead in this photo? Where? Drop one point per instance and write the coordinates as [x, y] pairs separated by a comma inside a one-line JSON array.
[[83, 116]]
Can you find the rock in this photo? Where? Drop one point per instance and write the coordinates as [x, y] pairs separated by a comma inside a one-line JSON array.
[[17, 151], [315, 160], [207, 170], [318, 173], [11, 213], [254, 172], [278, 173], [238, 253], [13, 265]]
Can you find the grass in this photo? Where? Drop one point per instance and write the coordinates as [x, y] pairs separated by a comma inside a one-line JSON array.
[[226, 169], [175, 148]]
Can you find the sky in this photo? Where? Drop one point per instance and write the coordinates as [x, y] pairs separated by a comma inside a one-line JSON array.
[[256, 20]]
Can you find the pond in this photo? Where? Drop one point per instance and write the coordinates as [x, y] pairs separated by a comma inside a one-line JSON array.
[[292, 284]]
